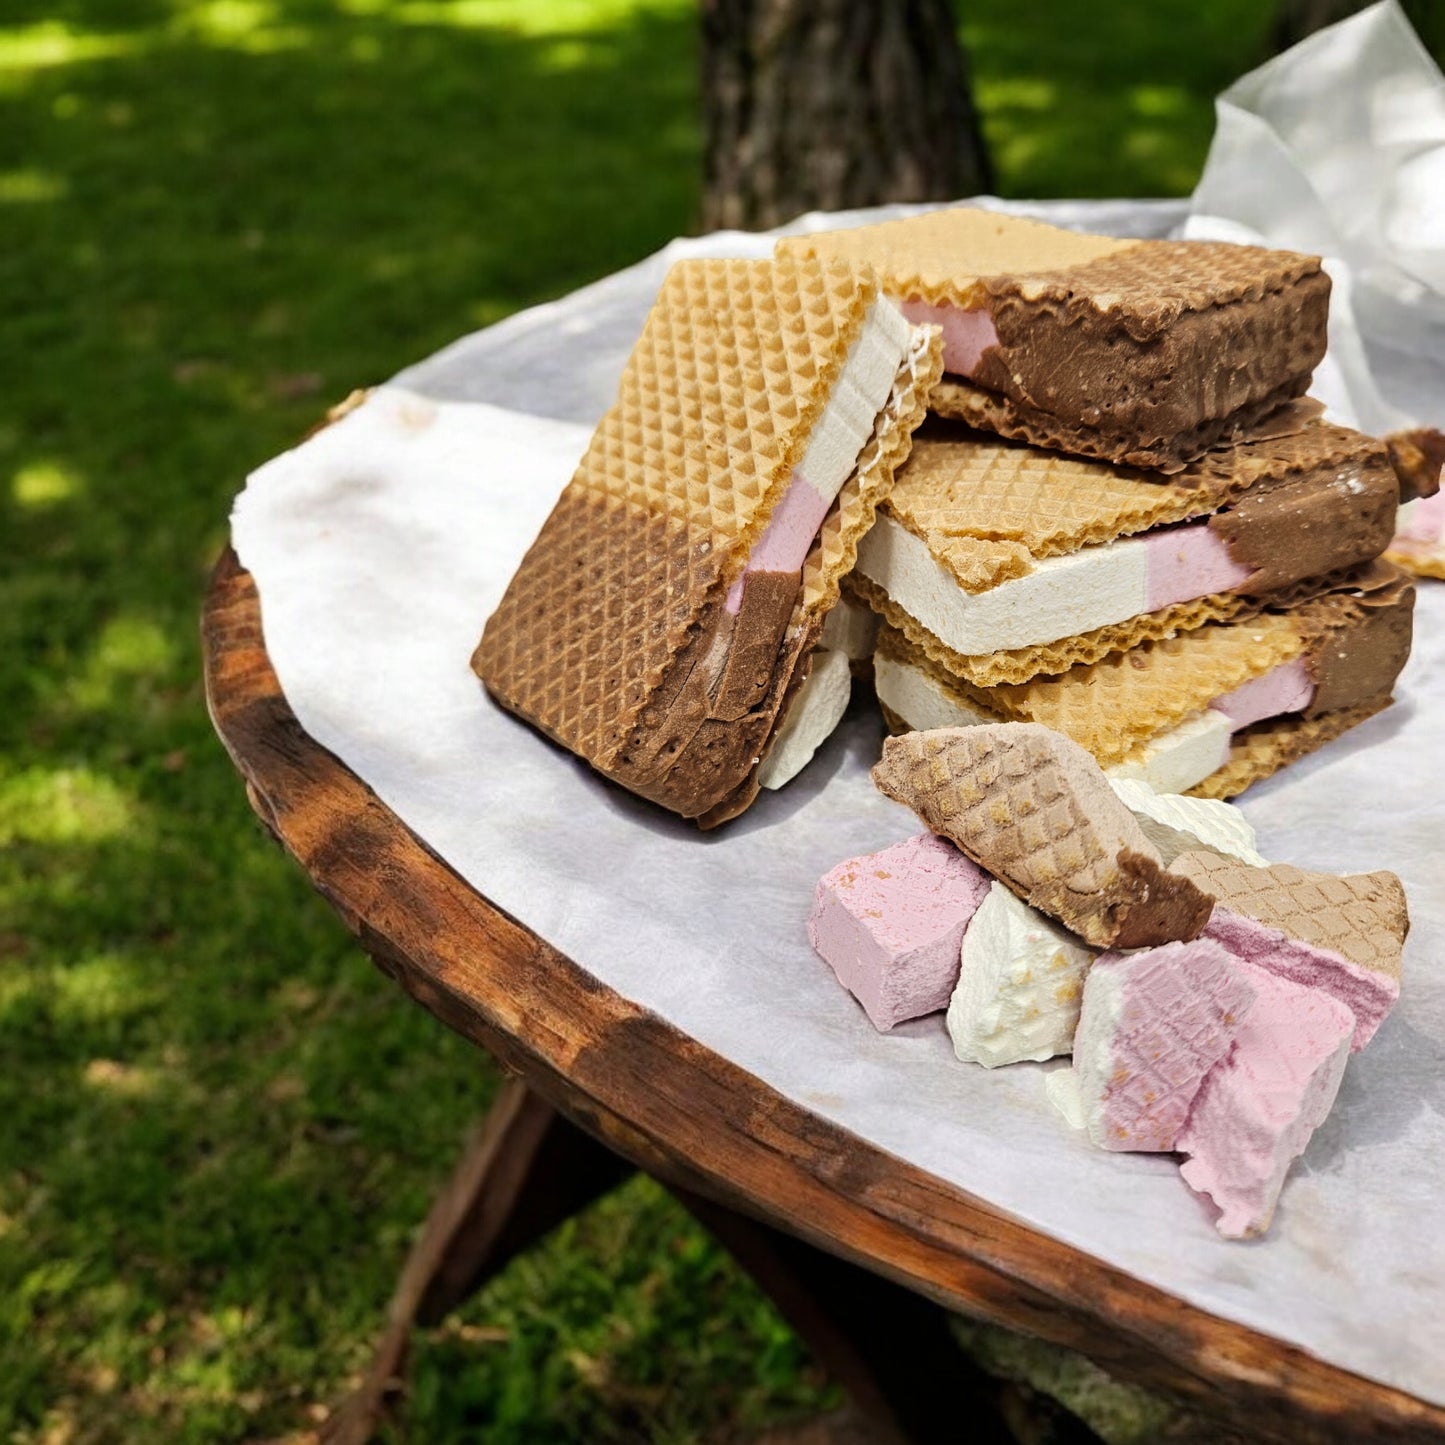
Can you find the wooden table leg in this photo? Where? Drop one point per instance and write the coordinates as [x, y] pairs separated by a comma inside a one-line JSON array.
[[524, 1171], [527, 1168], [891, 1350]]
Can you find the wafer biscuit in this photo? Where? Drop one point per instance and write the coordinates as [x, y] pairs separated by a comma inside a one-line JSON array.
[[616, 636], [1098, 346], [1113, 705], [1034, 809]]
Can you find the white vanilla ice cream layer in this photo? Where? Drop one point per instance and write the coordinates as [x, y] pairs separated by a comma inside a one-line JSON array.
[[1060, 597], [838, 437], [1176, 825]]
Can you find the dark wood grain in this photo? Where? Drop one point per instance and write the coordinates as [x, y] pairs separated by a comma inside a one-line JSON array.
[[696, 1121]]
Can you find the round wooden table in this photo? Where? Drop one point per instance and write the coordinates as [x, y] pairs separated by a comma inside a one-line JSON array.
[[591, 1066]]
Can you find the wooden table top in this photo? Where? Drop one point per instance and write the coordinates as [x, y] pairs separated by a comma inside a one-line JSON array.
[[691, 1118]]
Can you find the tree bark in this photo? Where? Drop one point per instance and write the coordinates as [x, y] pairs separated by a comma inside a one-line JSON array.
[[1297, 18], [1294, 19], [832, 104]]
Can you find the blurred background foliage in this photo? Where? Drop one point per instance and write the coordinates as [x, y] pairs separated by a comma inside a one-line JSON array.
[[218, 1124]]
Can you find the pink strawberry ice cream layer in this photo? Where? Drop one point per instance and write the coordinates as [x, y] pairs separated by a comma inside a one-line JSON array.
[[1286, 688], [966, 334], [783, 547], [1188, 561], [1257, 1108], [1152, 1025], [891, 925], [1367, 994]]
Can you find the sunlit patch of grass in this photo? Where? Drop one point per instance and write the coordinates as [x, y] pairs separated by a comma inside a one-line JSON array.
[[1159, 102], [54, 42], [128, 647], [63, 805], [30, 185], [41, 484], [525, 18], [1015, 94], [102, 988]]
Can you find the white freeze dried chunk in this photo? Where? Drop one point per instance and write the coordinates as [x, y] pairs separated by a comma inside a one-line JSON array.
[[1019, 987]]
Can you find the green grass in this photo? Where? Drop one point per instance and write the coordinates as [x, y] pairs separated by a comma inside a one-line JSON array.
[[218, 1124]]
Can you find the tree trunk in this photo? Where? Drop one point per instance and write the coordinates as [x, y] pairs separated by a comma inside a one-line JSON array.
[[1297, 18], [831, 104], [1294, 19]]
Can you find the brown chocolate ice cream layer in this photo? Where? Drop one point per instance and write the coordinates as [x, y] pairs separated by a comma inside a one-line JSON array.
[[1363, 639], [703, 732], [1330, 504], [986, 410]]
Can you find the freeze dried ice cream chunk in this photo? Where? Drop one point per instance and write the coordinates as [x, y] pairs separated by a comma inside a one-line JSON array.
[[891, 925], [1034, 809], [1257, 1108], [1019, 985], [1152, 1025], [1340, 934]]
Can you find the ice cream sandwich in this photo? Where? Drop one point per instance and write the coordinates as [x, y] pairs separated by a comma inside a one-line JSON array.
[[1001, 561], [1210, 710], [663, 625], [1148, 352]]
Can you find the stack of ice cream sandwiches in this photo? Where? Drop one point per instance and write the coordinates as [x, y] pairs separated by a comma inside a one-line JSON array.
[[1122, 520], [1210, 1000]]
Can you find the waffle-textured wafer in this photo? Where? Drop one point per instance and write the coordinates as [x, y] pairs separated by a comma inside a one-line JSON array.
[[1418, 565], [1105, 347], [1362, 916], [1034, 809], [836, 548], [1111, 706], [1263, 748], [613, 637], [1291, 511]]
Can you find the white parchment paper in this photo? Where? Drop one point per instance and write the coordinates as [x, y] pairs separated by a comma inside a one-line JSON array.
[[379, 548], [1337, 147]]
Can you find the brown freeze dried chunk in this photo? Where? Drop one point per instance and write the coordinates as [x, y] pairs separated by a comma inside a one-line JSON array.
[[1035, 810]]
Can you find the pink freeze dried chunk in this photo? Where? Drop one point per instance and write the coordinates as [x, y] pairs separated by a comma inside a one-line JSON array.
[[1258, 1107], [891, 924], [1152, 1025]]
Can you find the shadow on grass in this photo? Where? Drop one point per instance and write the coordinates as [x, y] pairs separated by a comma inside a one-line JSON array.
[[217, 1126]]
